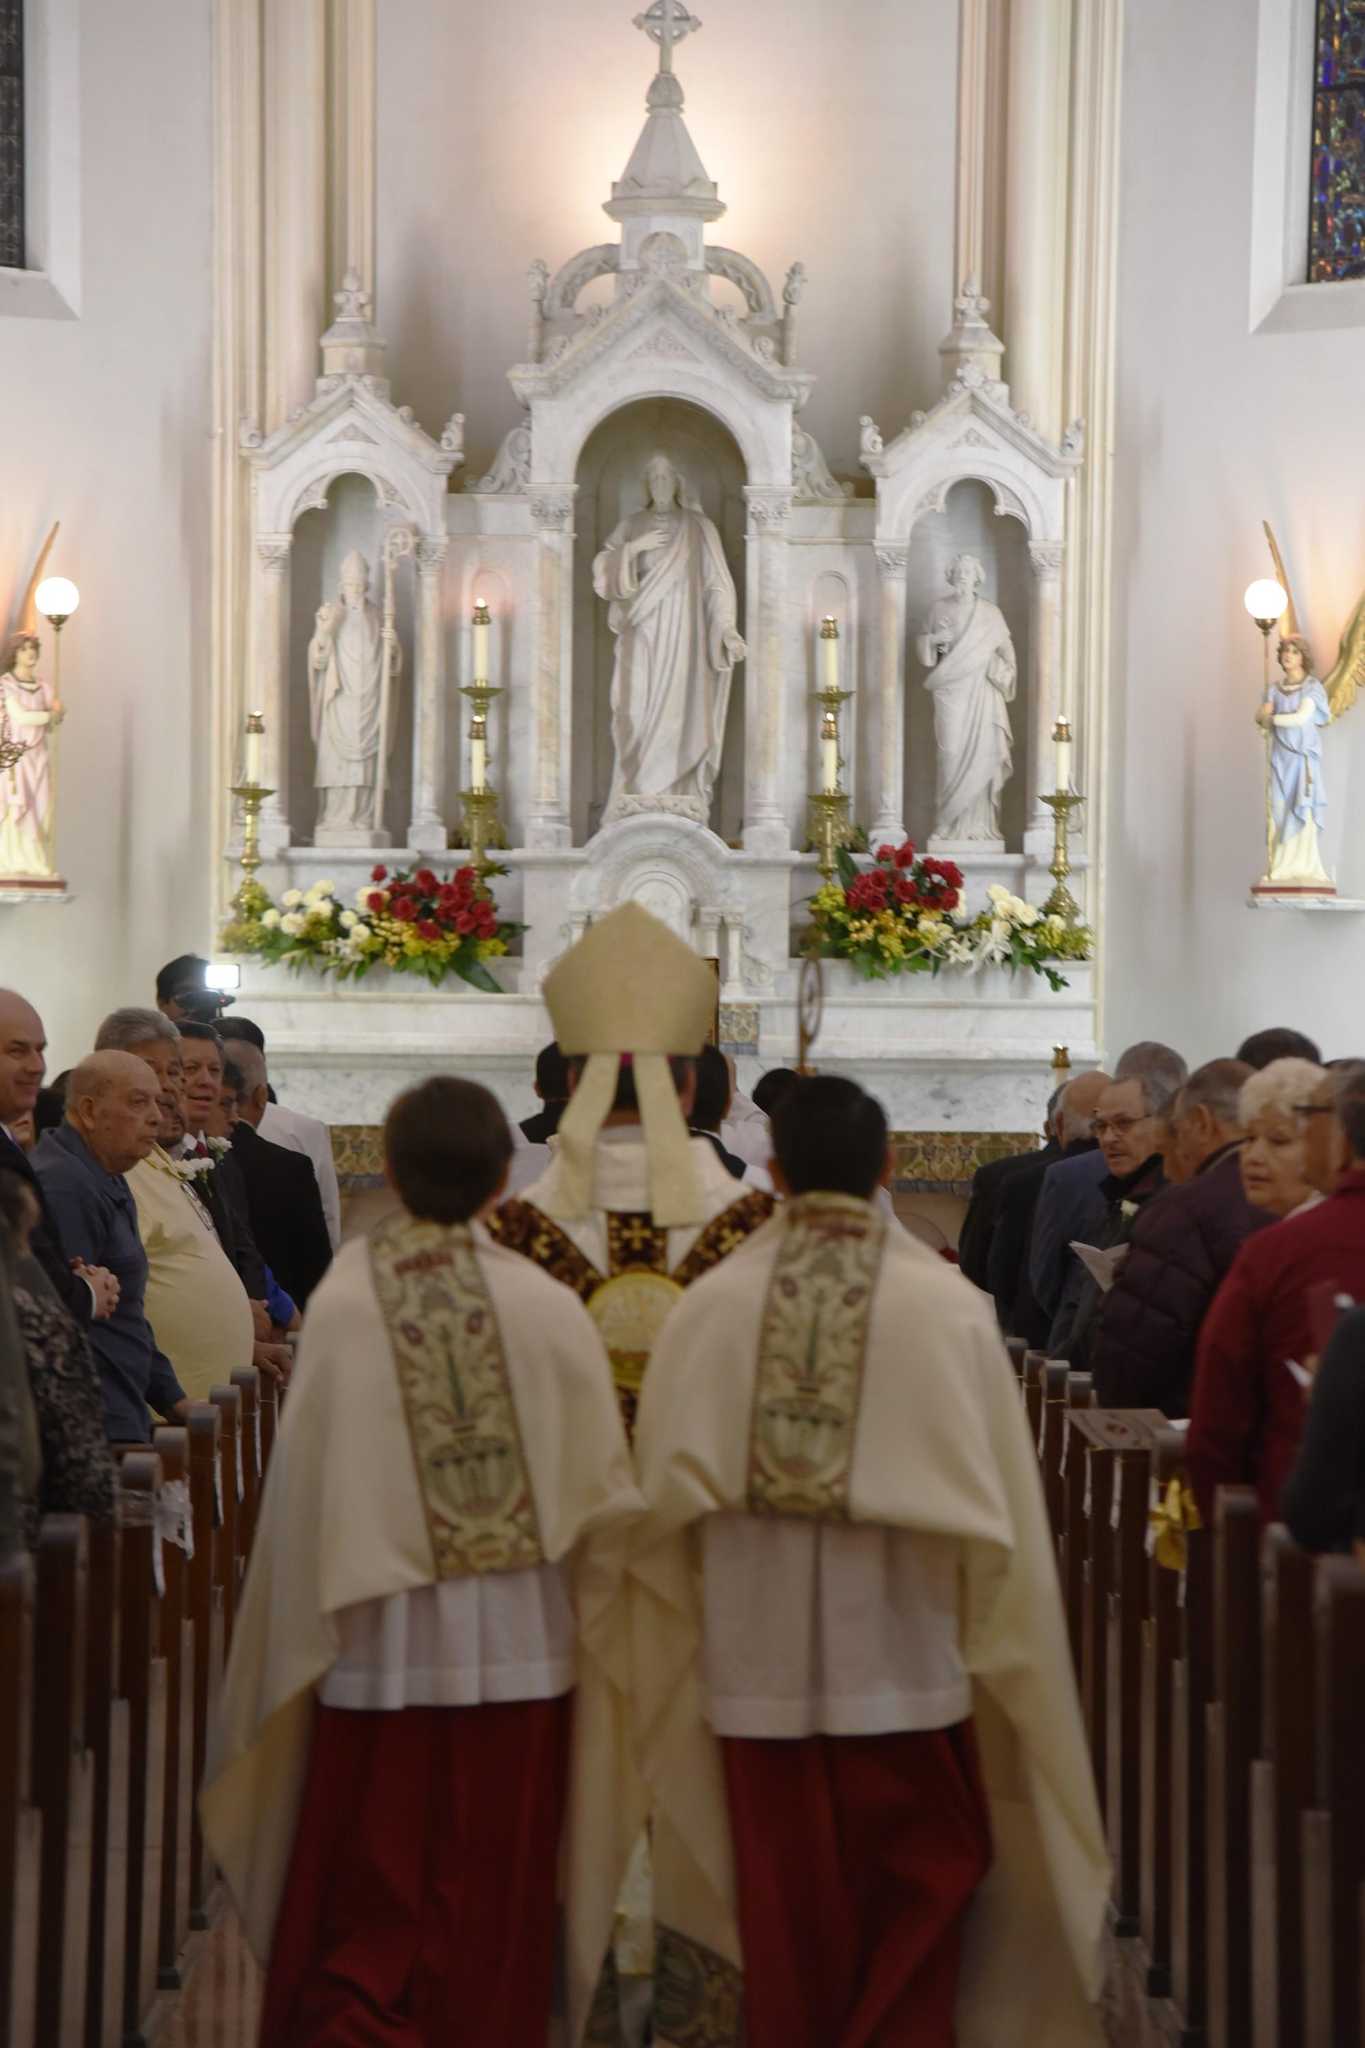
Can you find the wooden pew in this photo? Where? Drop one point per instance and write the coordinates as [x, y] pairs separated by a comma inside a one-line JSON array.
[[226, 1572], [270, 1414], [206, 1613], [62, 1781], [1334, 1830], [1035, 1363], [247, 1381], [1282, 1791], [20, 1826], [1160, 1646], [1132, 1593], [1017, 1347], [1052, 1444], [142, 1682], [1192, 1691], [176, 1647], [106, 1733], [1076, 1537], [1234, 1733]]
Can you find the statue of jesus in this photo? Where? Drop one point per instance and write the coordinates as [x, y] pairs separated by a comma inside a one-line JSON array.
[[967, 649], [673, 611]]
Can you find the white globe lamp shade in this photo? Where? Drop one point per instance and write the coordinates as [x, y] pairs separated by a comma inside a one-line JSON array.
[[56, 597], [1265, 599]]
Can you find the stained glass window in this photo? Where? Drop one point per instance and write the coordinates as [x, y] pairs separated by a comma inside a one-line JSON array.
[[1336, 227], [12, 134]]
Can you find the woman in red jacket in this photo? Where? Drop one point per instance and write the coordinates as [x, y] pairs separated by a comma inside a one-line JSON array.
[[1246, 1417]]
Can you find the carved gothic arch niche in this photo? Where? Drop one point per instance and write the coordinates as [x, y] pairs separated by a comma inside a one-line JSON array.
[[351, 515], [610, 480], [967, 518]]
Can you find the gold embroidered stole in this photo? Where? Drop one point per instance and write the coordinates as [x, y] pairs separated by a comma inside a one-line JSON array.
[[462, 1421], [811, 1358], [630, 1301]]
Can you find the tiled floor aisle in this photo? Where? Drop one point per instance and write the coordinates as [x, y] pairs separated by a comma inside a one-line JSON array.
[[221, 2005]]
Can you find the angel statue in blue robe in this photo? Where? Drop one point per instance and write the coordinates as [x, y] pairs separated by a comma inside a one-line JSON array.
[[1292, 717]]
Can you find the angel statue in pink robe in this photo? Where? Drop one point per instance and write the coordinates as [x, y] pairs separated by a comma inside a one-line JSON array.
[[967, 649], [673, 610]]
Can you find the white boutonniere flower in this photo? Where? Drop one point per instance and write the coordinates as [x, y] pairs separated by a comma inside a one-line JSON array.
[[218, 1148], [1128, 1209]]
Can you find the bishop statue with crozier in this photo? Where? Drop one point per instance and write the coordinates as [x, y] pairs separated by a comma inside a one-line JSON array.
[[673, 610], [347, 657]]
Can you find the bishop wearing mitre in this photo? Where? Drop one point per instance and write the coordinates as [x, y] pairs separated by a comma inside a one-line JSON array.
[[631, 1209], [874, 1818], [414, 1770]]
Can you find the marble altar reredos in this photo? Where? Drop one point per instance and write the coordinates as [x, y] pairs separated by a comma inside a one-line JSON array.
[[661, 341]]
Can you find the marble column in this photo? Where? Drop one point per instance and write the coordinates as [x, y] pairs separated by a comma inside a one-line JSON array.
[[296, 304], [549, 823], [766, 828], [732, 956], [427, 833], [269, 686], [352, 51], [1045, 699], [1038, 130], [888, 825]]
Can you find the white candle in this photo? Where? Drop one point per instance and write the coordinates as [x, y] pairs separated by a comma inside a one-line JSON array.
[[254, 736], [829, 653], [478, 765], [480, 648], [1061, 734]]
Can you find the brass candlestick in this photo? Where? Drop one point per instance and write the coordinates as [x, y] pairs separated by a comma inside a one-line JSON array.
[[482, 825], [251, 899], [1061, 903], [829, 821]]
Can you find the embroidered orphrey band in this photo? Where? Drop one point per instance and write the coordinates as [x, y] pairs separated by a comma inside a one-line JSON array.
[[462, 1420], [698, 1994], [811, 1357]]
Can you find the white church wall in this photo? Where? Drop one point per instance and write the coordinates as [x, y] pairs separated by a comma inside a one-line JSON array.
[[104, 424], [830, 134], [1218, 428]]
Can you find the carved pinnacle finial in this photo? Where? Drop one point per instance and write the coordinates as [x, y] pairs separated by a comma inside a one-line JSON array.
[[667, 22], [352, 301]]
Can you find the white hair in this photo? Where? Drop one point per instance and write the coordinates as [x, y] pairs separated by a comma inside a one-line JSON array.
[[1279, 1088], [122, 1029]]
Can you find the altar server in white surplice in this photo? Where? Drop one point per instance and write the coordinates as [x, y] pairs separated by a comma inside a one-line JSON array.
[[967, 649], [875, 1819], [673, 610], [421, 1736]]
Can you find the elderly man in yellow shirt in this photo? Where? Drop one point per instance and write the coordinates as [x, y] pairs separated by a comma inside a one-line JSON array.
[[196, 1304]]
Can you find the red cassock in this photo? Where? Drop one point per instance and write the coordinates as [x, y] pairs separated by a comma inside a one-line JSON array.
[[856, 1858], [420, 1909]]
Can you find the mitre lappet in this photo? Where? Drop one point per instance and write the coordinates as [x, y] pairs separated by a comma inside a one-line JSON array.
[[629, 991]]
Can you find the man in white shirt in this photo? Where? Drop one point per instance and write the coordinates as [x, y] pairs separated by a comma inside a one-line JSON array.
[[844, 1585], [295, 1131], [417, 1735]]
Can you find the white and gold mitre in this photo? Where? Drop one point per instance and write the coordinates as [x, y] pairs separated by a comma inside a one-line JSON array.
[[630, 987]]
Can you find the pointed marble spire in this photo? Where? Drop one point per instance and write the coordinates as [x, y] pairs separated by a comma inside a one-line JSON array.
[[353, 344], [972, 354], [664, 188]]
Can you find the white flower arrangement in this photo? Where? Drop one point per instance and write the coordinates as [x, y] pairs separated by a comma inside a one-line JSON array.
[[291, 923]]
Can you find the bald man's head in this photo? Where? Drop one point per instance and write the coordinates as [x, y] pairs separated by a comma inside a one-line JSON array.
[[23, 1056], [112, 1104], [1079, 1102]]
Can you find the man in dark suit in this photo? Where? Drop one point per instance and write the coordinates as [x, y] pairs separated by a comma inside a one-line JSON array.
[[552, 1086], [988, 1187], [88, 1293], [1008, 1270], [283, 1201]]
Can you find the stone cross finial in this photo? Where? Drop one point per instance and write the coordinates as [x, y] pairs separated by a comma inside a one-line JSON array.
[[667, 21], [352, 301]]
